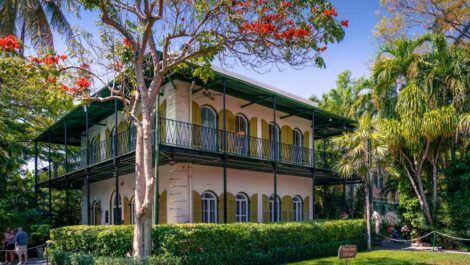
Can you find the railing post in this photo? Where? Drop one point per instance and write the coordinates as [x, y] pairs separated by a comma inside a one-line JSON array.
[[224, 159], [276, 157], [87, 173], [117, 214], [50, 178], [313, 164], [66, 165], [36, 180]]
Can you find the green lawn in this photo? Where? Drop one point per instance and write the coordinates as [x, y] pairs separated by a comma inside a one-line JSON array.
[[395, 257]]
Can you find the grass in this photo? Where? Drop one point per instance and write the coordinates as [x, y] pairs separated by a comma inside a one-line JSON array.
[[395, 257]]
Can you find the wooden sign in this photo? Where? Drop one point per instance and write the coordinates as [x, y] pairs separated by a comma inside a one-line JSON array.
[[347, 251]]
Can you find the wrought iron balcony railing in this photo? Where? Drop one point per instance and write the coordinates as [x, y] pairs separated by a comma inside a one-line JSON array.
[[190, 136]]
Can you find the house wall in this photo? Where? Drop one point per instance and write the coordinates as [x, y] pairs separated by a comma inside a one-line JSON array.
[[198, 178]]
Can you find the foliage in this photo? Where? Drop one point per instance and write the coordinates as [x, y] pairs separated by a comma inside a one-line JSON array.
[[403, 17], [249, 243], [397, 257], [457, 197], [59, 257], [36, 20], [421, 92], [350, 98]]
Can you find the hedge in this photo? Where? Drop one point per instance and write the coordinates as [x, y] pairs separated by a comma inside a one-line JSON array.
[[247, 243]]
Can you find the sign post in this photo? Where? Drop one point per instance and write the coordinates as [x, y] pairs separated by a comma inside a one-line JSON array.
[[347, 252]]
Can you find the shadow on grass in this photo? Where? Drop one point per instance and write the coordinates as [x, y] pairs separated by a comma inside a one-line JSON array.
[[381, 261]]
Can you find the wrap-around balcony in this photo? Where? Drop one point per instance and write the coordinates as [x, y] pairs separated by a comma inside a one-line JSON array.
[[189, 136]]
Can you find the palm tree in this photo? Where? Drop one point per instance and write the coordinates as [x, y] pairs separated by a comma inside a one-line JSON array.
[[363, 153], [350, 98], [35, 20]]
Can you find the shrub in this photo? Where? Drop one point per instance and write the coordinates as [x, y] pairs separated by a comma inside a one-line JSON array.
[[247, 243]]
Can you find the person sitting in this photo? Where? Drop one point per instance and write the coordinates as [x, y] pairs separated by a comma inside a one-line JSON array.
[[22, 245]]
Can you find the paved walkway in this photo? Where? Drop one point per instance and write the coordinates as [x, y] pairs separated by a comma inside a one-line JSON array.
[[35, 261], [387, 244]]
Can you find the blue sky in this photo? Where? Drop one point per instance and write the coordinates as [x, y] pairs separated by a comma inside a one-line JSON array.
[[354, 53]]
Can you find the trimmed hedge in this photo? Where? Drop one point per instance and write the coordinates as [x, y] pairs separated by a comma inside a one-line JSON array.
[[241, 243]]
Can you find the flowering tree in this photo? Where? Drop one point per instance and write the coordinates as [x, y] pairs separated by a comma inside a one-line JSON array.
[[165, 36]]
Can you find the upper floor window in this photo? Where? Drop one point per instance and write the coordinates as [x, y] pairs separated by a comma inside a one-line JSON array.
[[241, 134], [209, 118], [298, 209], [241, 207], [208, 129], [297, 141], [209, 207], [274, 137]]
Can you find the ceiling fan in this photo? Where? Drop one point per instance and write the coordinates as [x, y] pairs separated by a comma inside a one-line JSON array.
[[209, 93]]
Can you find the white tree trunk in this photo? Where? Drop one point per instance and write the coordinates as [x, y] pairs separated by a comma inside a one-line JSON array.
[[369, 241], [144, 189]]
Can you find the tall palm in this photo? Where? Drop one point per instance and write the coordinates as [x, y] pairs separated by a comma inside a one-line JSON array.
[[395, 66], [35, 20], [350, 97], [363, 153]]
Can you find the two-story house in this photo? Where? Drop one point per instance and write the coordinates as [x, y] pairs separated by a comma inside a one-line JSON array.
[[230, 150]]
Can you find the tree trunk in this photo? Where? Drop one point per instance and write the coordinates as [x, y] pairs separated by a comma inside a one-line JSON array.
[[369, 241], [434, 185], [144, 189]]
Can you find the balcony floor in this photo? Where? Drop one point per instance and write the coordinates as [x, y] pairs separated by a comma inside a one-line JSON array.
[[126, 164]]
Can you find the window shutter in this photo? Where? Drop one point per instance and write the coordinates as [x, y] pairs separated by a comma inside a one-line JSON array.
[[287, 206], [254, 145], [230, 120], [126, 207], [220, 209], [197, 208], [196, 120], [287, 136], [97, 148], [306, 207], [265, 209], [98, 213], [123, 139], [306, 151], [254, 208], [162, 129], [232, 208], [265, 136], [107, 135], [162, 208]]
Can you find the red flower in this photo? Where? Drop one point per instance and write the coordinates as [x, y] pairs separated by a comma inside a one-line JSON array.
[[83, 83], [127, 43], [345, 23], [118, 66], [322, 49], [333, 12], [50, 60], [286, 4], [84, 66], [9, 42], [35, 60], [52, 79], [63, 57], [330, 12], [65, 88]]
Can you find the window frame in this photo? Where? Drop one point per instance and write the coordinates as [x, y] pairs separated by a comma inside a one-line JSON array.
[[239, 217], [298, 212], [206, 205], [271, 209]]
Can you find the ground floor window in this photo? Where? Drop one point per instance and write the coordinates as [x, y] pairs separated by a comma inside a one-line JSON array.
[[95, 213], [274, 209], [116, 209], [209, 207], [298, 208], [241, 207]]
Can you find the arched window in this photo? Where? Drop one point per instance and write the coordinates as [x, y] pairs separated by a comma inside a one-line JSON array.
[[241, 134], [132, 211], [94, 215], [274, 138], [274, 209], [241, 207], [209, 128], [298, 208], [209, 207], [298, 146], [116, 210]]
